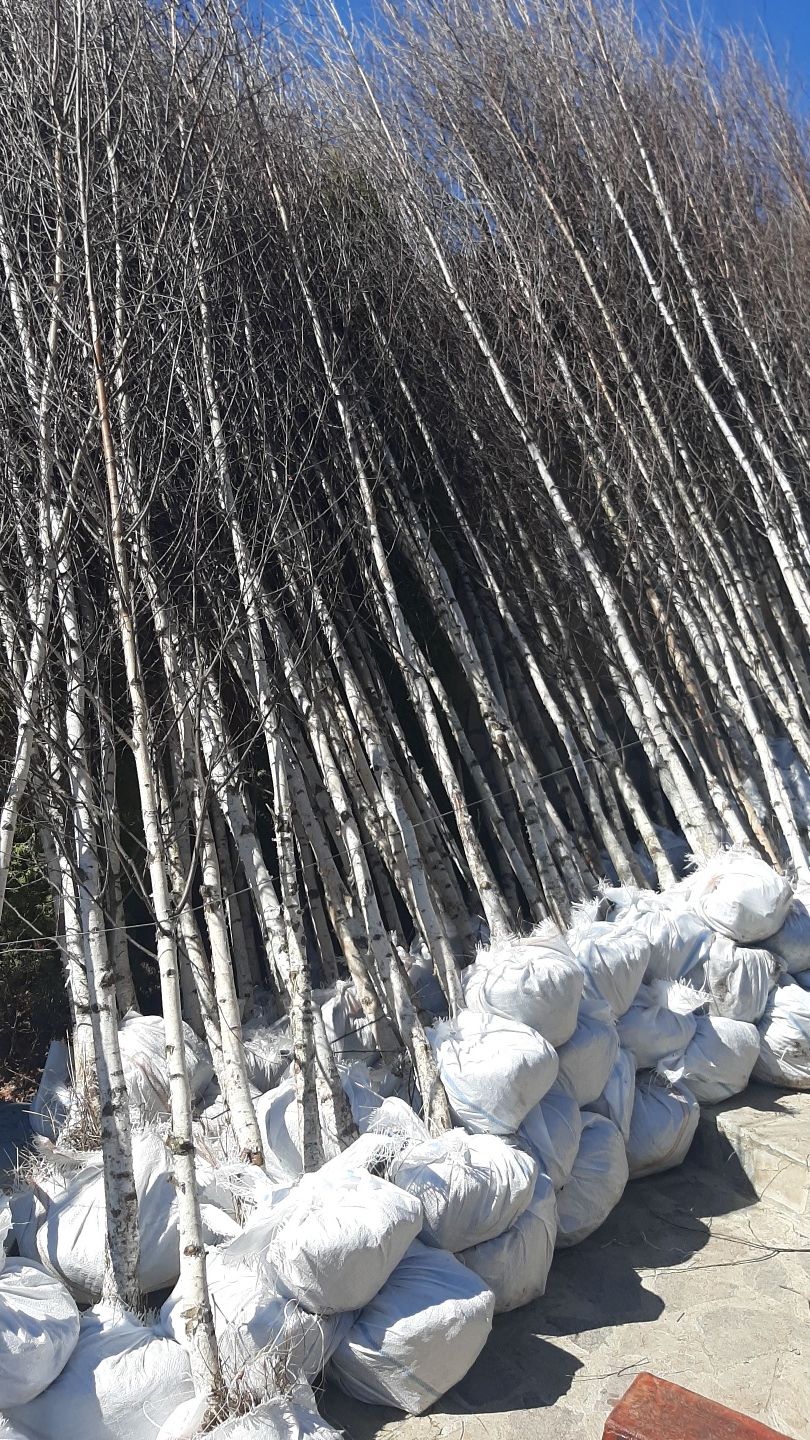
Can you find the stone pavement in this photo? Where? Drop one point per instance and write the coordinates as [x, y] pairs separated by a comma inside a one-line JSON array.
[[691, 1279], [760, 1141]]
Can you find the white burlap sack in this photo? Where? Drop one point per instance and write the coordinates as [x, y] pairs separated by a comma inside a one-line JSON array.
[[737, 979], [262, 1335], [596, 1183], [278, 1419], [471, 1187], [613, 958], [39, 1329], [277, 1114], [419, 1336], [660, 1021], [515, 1264], [51, 1103], [268, 1052], [427, 991], [72, 1237], [784, 1030], [551, 1134], [333, 1242], [366, 1089], [349, 1033], [142, 1039], [121, 1382], [679, 940], [9, 1431], [718, 1060], [616, 1100], [395, 1118], [741, 896], [535, 980], [792, 940], [493, 1070], [6, 1228], [665, 1118], [587, 1059]]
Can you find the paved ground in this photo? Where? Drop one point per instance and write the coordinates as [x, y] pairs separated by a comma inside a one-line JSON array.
[[701, 1284], [702, 1276]]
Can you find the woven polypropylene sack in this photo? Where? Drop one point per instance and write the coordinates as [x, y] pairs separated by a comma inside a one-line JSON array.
[[614, 958], [738, 979], [662, 1128], [471, 1187], [334, 1241], [596, 1183], [616, 1099], [493, 1070], [260, 1332], [741, 896], [535, 980], [551, 1133], [515, 1264], [39, 1329], [419, 1336], [586, 1060], [784, 1030], [718, 1060], [651, 1029], [121, 1382]]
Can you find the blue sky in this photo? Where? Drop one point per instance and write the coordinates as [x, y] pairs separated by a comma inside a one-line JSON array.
[[785, 23]]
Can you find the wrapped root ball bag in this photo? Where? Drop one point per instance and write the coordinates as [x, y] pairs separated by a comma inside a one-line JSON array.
[[334, 1241], [493, 1070], [665, 1118], [143, 1056], [613, 959], [616, 1100], [419, 1336], [596, 1183], [471, 1187], [792, 940], [277, 1114], [51, 1103], [738, 980], [268, 1052], [660, 1021], [587, 1059], [535, 980], [718, 1061], [349, 1033], [551, 1134], [741, 896], [121, 1382], [678, 939], [72, 1237], [8, 1431], [515, 1265], [39, 1329], [258, 1330], [784, 1054], [278, 1419]]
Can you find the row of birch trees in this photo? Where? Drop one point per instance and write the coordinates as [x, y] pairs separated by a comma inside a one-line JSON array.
[[404, 484]]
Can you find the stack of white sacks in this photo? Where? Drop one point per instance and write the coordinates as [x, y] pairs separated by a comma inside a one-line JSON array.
[[578, 1062]]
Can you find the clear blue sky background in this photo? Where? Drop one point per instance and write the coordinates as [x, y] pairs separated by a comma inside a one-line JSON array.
[[785, 23]]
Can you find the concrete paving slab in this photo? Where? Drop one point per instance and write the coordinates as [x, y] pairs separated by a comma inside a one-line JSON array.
[[689, 1279], [760, 1140]]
